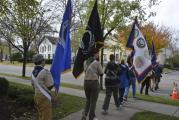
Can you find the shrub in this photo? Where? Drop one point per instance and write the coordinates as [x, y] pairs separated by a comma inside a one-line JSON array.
[[30, 55], [21, 94], [173, 62], [48, 61], [16, 56], [4, 86]]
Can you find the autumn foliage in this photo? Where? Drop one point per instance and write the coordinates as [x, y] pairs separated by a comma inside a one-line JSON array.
[[160, 35]]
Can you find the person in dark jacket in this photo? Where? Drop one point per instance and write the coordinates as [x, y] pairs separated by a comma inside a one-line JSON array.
[[157, 75], [111, 83], [146, 84]]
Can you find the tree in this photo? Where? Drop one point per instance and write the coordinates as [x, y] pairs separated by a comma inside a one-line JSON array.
[[115, 14], [159, 35], [26, 20]]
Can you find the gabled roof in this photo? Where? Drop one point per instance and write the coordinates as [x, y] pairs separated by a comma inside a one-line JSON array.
[[53, 40]]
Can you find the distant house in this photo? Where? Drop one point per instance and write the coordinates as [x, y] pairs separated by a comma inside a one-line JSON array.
[[48, 46], [119, 54], [166, 53]]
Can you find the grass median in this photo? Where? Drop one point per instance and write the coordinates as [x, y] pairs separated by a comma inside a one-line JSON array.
[[20, 104], [63, 84], [145, 115], [16, 63], [157, 99]]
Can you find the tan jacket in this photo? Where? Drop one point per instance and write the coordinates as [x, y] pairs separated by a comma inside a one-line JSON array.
[[93, 71], [44, 79]]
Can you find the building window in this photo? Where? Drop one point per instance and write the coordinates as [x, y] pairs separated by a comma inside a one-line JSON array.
[[48, 56], [105, 57], [49, 48], [45, 48], [117, 57], [42, 49]]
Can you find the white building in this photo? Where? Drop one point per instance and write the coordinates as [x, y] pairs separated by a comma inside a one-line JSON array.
[[113, 48], [47, 47]]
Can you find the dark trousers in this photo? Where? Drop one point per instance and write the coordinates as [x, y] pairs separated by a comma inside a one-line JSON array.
[[145, 84], [92, 89], [121, 94], [109, 92], [133, 83], [157, 80]]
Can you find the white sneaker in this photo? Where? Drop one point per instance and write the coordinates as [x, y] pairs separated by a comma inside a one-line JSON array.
[[95, 118]]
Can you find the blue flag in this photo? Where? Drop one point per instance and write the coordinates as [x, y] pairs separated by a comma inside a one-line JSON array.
[[153, 55], [62, 59], [141, 59]]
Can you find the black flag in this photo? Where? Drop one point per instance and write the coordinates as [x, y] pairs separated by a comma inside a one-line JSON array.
[[91, 42]]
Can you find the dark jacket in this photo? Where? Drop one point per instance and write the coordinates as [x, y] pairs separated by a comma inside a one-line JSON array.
[[111, 71], [157, 71], [123, 76]]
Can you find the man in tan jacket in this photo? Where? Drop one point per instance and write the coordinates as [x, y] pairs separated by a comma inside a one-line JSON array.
[[93, 70], [42, 83]]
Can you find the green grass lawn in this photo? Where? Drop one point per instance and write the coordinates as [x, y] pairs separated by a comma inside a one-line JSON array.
[[157, 99], [145, 115], [22, 95], [63, 84], [166, 70], [12, 75], [16, 63]]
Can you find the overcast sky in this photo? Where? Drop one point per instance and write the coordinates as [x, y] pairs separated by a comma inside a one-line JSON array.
[[167, 14]]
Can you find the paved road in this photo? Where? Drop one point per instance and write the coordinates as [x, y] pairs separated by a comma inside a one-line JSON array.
[[17, 70], [166, 83], [167, 80]]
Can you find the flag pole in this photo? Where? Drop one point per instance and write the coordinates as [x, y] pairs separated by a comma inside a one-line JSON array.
[[101, 78]]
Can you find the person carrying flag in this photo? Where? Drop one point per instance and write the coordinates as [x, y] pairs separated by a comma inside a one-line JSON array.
[[62, 58], [157, 71], [42, 83], [93, 70], [146, 84], [132, 78], [87, 61]]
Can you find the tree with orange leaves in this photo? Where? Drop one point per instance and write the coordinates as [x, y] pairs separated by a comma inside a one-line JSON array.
[[160, 35]]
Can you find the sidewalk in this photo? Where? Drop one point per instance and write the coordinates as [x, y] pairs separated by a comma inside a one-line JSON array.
[[113, 114], [130, 107]]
